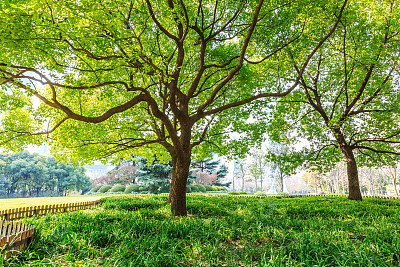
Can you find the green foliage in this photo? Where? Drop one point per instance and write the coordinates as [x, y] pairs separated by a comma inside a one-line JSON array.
[[233, 193], [120, 75], [132, 188], [118, 188], [260, 194], [209, 188], [350, 95], [95, 189], [205, 165], [232, 231], [222, 172], [104, 188], [188, 189], [142, 188], [156, 176], [199, 188], [31, 174]]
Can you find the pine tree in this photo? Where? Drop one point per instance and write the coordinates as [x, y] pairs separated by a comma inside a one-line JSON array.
[[204, 165], [156, 177], [221, 174]]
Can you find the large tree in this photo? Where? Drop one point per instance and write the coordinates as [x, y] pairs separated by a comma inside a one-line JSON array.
[[348, 106], [113, 76]]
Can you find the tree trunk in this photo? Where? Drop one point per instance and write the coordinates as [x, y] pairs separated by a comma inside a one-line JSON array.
[[233, 181], [177, 194], [352, 175]]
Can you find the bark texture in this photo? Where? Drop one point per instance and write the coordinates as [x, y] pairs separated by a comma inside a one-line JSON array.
[[352, 175], [177, 194]]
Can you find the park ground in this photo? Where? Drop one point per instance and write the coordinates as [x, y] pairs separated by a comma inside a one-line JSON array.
[[220, 231], [11, 203]]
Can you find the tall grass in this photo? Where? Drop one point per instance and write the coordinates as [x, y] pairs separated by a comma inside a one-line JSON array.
[[220, 231]]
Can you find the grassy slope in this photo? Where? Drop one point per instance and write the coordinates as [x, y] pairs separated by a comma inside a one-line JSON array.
[[221, 231], [11, 203]]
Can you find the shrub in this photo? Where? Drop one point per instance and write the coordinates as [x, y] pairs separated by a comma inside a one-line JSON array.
[[242, 193], [220, 188], [200, 188], [195, 188], [233, 193], [95, 189], [105, 188], [188, 189], [132, 188], [260, 194], [142, 188], [209, 188], [118, 188]]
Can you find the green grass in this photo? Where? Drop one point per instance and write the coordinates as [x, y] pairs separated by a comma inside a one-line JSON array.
[[11, 203], [220, 231]]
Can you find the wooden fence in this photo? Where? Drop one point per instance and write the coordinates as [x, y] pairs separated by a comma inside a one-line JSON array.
[[15, 236], [20, 213]]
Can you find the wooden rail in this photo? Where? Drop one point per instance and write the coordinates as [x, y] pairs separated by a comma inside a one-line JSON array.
[[14, 237], [20, 213]]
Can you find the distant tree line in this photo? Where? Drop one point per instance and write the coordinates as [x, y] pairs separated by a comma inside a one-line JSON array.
[[155, 177], [34, 175], [379, 180]]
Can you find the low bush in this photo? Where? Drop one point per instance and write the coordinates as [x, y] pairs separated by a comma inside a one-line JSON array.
[[209, 188], [117, 188], [142, 188], [233, 193], [260, 194], [242, 193], [188, 189], [104, 188], [132, 188], [200, 188], [95, 189]]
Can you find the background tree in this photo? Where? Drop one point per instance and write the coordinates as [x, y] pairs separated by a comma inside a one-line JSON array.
[[205, 165], [156, 177], [241, 171], [391, 172], [259, 162], [118, 76], [35, 174], [122, 174], [222, 172], [349, 98], [283, 160]]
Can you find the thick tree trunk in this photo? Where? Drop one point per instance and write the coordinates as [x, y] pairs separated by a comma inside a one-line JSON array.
[[177, 194], [352, 171], [352, 175]]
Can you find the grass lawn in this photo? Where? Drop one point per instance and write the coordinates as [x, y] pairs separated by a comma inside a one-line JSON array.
[[11, 203], [220, 231]]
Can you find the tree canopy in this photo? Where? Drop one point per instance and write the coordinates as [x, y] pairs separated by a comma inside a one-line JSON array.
[[33, 174], [348, 103], [113, 76]]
